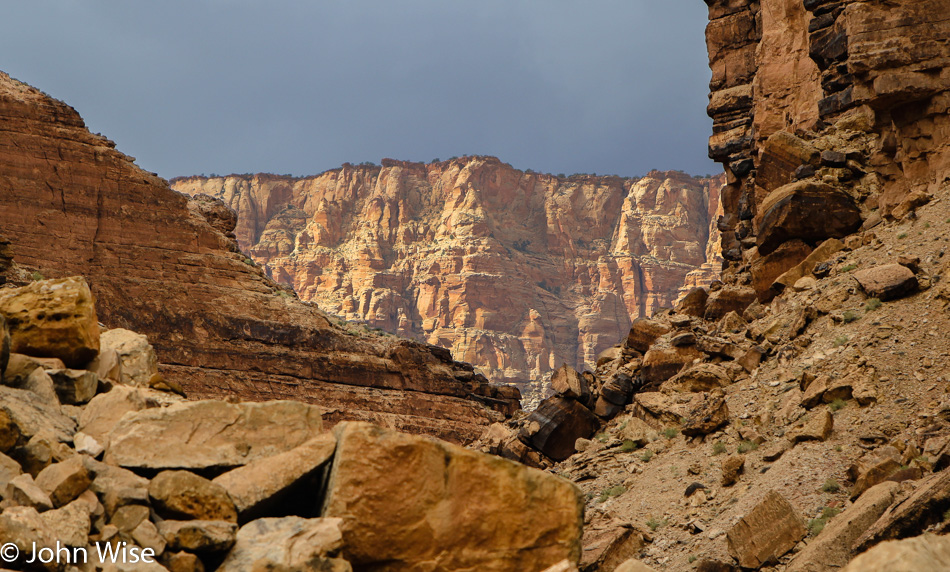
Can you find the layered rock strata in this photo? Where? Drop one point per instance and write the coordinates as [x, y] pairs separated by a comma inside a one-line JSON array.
[[516, 272], [850, 97], [159, 264]]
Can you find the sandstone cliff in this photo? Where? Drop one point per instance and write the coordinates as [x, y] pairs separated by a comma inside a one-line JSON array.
[[851, 96], [157, 263], [515, 272]]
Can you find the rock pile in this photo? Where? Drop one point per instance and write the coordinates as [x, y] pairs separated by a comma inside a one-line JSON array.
[[104, 466]]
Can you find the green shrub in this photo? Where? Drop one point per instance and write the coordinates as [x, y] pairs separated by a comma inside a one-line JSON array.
[[946, 515], [628, 446], [646, 455], [837, 404], [602, 437], [37, 276], [902, 235], [746, 446], [872, 304], [830, 486], [718, 448], [848, 268], [612, 492], [840, 341], [656, 523], [691, 559], [670, 432], [850, 316]]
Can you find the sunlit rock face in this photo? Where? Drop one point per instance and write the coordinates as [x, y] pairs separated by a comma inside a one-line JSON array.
[[516, 272]]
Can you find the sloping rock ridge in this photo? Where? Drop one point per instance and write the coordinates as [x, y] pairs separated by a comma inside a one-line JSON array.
[[516, 272], [165, 266]]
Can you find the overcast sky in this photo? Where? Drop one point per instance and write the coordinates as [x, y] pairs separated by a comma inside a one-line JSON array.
[[301, 86]]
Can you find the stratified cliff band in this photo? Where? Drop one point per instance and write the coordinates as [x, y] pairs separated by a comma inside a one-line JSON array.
[[516, 272], [157, 263]]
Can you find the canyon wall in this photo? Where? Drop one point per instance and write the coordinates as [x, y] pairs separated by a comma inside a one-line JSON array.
[[168, 267], [515, 272], [839, 96]]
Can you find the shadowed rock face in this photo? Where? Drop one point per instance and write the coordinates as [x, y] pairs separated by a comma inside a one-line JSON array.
[[853, 94], [514, 272], [161, 265]]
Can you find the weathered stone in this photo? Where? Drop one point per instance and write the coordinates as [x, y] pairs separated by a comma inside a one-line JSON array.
[[752, 358], [728, 299], [198, 535], [406, 500], [23, 491], [24, 527], [693, 303], [618, 389], [707, 415], [700, 377], [816, 427], [21, 366], [74, 386], [808, 211], [633, 565], [64, 481], [210, 434], [127, 518], [686, 338], [4, 346], [53, 318], [766, 270], [887, 282], [660, 364], [125, 357], [87, 445], [568, 383], [118, 487], [643, 332], [8, 470], [636, 430], [31, 415], [9, 432], [260, 486], [807, 266], [41, 384], [924, 507], [101, 414], [608, 542], [765, 534], [731, 469], [70, 524], [146, 535], [186, 496], [831, 550], [560, 422], [182, 562], [289, 543], [782, 154], [926, 552]]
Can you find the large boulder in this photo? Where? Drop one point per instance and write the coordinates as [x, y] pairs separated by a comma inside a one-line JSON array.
[[693, 303], [919, 554], [53, 318], [805, 210], [31, 415], [285, 544], [772, 528], [644, 332], [924, 507], [887, 282], [125, 357], [728, 299], [555, 426], [409, 502], [767, 269], [210, 434], [662, 363], [286, 478], [186, 496], [782, 154], [567, 382]]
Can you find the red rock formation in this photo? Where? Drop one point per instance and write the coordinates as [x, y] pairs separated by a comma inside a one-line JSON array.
[[71, 204], [514, 272], [854, 94]]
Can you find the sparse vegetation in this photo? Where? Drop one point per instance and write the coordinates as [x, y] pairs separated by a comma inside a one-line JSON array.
[[656, 523], [671, 432], [718, 448], [830, 486], [691, 559], [902, 235], [602, 437], [627, 446], [611, 493], [848, 268], [816, 525], [872, 304], [926, 225], [840, 341], [946, 515], [37, 276], [837, 404], [747, 446], [248, 261], [850, 316], [646, 456]]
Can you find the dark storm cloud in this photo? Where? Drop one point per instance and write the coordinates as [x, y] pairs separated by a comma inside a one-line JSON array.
[[201, 86]]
